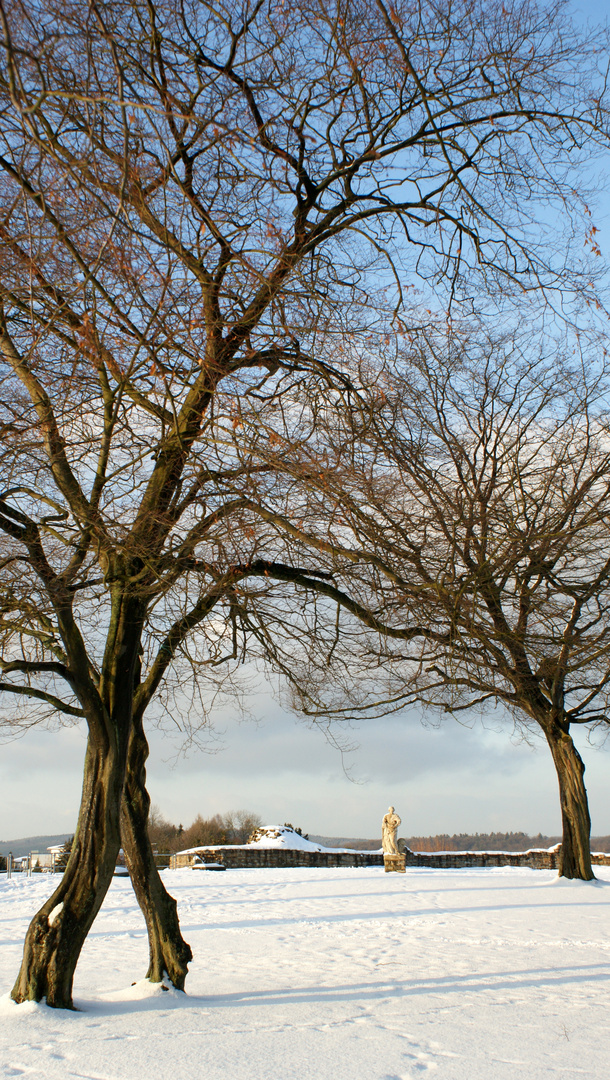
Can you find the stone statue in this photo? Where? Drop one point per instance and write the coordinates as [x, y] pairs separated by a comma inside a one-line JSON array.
[[389, 826]]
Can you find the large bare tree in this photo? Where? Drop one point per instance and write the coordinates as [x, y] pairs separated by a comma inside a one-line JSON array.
[[194, 194], [460, 499]]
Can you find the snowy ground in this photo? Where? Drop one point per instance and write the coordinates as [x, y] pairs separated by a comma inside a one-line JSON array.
[[345, 974]]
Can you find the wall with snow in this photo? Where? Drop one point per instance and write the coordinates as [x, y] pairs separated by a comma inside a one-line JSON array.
[[246, 857], [280, 846]]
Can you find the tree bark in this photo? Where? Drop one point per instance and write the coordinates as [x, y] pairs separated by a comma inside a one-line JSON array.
[[169, 953], [575, 854], [57, 932]]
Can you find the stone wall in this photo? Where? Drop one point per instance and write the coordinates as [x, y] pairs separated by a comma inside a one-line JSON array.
[[456, 860], [240, 857], [536, 859], [248, 857]]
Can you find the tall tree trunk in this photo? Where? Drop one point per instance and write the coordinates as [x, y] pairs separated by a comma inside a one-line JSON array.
[[169, 953], [575, 855], [57, 932]]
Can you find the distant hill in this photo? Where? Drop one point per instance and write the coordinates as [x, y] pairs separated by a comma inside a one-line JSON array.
[[346, 842], [25, 844]]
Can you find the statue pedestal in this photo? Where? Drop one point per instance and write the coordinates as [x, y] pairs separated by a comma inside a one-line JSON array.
[[394, 863]]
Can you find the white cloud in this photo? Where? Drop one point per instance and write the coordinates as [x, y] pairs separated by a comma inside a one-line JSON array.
[[448, 780]]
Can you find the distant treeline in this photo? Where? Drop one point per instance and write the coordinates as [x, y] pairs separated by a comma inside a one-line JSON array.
[[495, 841]]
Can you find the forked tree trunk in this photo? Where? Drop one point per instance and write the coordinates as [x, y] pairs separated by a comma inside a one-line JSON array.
[[575, 854], [169, 953], [57, 932]]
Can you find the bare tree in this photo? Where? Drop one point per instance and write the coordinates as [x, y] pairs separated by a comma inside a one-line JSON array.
[[193, 196], [235, 827], [462, 504]]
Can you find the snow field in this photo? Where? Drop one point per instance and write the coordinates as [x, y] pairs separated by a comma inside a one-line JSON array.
[[338, 974]]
